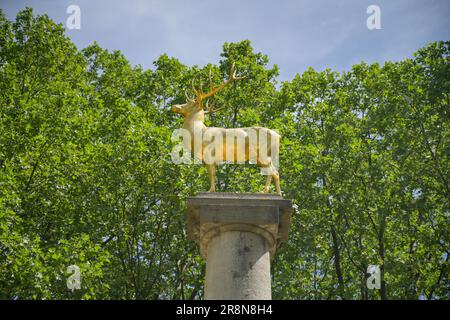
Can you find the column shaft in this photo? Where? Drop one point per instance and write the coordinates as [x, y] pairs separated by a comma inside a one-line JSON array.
[[238, 267]]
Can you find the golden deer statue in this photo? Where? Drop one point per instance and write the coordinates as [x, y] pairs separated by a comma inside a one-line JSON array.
[[253, 144]]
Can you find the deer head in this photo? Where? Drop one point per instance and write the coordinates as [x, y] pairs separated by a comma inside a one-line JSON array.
[[195, 103]]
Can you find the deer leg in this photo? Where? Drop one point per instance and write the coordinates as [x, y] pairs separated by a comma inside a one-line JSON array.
[[212, 177], [273, 173], [276, 178], [264, 168], [268, 182]]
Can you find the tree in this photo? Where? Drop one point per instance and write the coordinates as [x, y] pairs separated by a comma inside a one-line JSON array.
[[86, 176]]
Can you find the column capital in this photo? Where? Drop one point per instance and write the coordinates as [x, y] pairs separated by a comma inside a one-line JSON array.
[[210, 214]]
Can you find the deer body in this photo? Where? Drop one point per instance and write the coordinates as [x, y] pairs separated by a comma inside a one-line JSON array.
[[237, 145]]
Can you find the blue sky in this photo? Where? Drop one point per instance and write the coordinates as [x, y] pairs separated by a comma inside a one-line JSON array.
[[295, 34]]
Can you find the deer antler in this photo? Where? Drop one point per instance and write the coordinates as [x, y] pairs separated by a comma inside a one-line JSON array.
[[210, 109], [188, 97], [213, 90], [200, 95]]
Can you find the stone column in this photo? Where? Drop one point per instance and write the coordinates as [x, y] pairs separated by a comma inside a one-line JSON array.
[[238, 234]]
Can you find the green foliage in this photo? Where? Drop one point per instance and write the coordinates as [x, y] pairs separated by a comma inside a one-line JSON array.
[[86, 176]]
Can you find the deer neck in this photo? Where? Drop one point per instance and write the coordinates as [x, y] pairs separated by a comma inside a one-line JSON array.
[[194, 121]]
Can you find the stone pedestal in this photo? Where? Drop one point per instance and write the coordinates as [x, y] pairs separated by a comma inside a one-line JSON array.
[[238, 234]]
